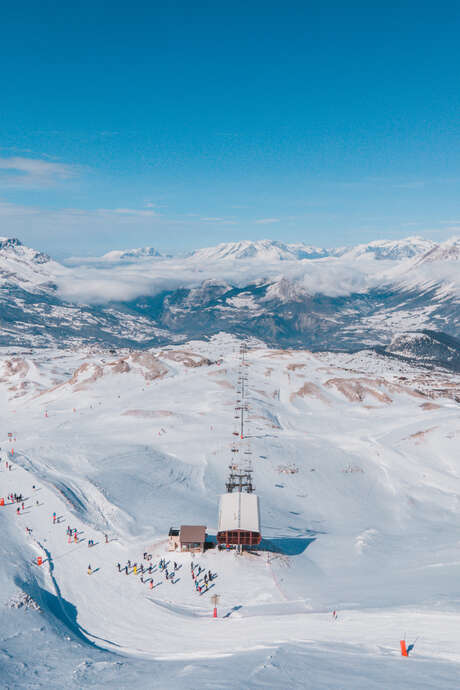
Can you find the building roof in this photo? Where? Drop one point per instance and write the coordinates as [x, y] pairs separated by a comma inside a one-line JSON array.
[[239, 511], [192, 534]]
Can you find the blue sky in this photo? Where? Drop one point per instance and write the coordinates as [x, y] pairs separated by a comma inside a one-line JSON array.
[[180, 124]]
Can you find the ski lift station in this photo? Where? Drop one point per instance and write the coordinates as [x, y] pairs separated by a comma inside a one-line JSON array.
[[239, 519]]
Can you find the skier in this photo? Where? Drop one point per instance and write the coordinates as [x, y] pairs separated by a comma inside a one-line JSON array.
[[54, 518], [106, 538], [151, 584], [119, 567], [89, 569], [135, 569], [75, 538], [18, 510]]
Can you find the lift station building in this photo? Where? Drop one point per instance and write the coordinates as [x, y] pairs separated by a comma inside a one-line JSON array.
[[239, 519]]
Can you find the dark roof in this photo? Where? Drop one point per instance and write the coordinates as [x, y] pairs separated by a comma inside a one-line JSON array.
[[173, 532], [192, 534]]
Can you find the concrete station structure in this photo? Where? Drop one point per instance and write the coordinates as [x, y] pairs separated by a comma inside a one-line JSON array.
[[239, 519]]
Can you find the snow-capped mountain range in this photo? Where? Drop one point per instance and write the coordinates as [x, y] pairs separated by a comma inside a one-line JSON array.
[[290, 295], [272, 250]]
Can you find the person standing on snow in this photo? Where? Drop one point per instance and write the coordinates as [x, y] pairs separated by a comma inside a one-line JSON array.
[[89, 569]]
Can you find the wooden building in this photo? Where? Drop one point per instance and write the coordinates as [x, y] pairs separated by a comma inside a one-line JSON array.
[[192, 538]]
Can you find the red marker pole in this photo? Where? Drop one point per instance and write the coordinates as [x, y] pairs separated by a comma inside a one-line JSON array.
[[215, 601]]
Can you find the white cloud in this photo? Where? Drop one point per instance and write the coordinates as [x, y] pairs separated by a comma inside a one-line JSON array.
[[267, 221], [18, 171], [128, 212]]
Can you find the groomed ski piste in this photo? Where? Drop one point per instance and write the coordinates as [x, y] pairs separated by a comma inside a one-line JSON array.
[[356, 463]]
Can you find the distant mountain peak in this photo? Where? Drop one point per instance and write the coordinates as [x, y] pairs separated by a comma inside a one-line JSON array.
[[264, 250], [128, 254], [7, 242], [14, 247], [394, 250], [445, 251]]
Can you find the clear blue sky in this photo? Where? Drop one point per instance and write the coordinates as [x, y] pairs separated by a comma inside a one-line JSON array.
[[183, 124]]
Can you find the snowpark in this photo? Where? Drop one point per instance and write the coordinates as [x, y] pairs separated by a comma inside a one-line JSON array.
[[356, 467]]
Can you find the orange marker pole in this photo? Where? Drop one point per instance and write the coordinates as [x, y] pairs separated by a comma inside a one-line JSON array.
[[403, 648]]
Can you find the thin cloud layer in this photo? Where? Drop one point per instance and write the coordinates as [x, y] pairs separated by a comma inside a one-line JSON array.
[[333, 277], [18, 171]]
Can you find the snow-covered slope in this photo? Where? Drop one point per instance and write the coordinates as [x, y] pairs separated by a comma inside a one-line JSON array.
[[356, 465]]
